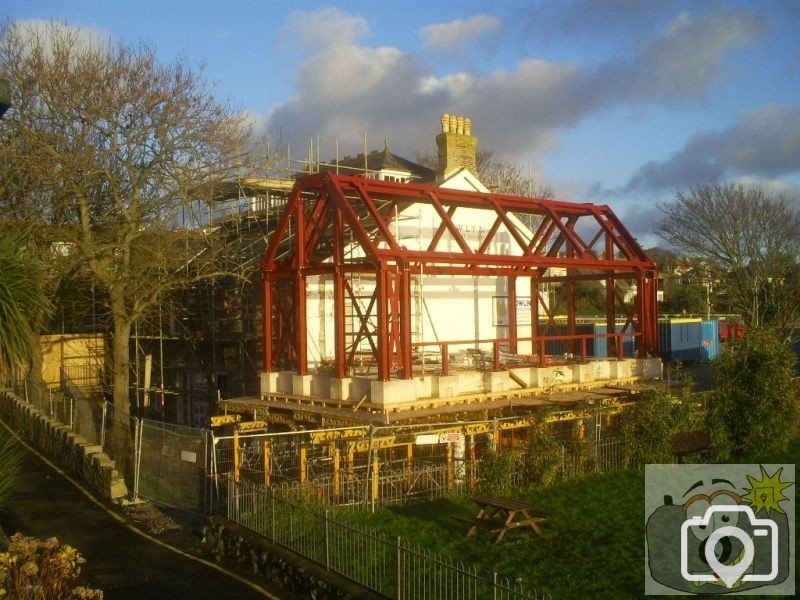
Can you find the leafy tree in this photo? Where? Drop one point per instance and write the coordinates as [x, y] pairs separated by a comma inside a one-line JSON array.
[[684, 298], [590, 298], [756, 408], [749, 240], [106, 146]]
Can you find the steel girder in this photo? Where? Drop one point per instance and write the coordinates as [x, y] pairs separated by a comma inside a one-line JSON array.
[[340, 226]]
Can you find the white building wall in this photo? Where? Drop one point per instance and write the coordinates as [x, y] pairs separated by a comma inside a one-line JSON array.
[[444, 308]]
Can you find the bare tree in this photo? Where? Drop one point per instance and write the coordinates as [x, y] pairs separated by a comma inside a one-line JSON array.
[[748, 239], [105, 146], [506, 177]]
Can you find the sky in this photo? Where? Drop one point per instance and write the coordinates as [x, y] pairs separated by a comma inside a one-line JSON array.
[[618, 102]]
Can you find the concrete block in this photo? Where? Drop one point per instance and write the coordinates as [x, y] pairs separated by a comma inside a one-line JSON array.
[[359, 388], [285, 382], [621, 369], [301, 385], [546, 377], [648, 367], [393, 391], [471, 382], [118, 489], [524, 374], [602, 369], [497, 381], [320, 385], [87, 450], [582, 372], [339, 389], [269, 383], [424, 386], [446, 386]]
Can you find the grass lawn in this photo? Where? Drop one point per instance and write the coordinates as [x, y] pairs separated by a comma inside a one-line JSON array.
[[592, 545]]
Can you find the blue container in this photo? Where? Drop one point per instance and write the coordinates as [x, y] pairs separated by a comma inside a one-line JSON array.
[[688, 339], [710, 343]]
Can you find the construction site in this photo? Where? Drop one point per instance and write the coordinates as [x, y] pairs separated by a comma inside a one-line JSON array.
[[393, 312]]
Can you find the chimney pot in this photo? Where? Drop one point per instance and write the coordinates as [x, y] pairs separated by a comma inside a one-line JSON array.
[[456, 146]]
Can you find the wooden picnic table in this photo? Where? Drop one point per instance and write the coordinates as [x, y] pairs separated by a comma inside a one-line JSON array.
[[499, 515]]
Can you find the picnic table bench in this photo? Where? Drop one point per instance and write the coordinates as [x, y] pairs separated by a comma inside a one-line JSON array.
[[690, 442], [499, 515]]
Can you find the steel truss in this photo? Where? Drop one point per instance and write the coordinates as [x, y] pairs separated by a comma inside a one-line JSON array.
[[340, 226]]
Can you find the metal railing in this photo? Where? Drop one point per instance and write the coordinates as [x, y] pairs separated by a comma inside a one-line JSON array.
[[390, 566]]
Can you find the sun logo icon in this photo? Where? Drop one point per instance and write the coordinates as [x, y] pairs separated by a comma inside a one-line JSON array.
[[767, 493]]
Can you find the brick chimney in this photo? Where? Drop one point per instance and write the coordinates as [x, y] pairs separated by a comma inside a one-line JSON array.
[[457, 148]]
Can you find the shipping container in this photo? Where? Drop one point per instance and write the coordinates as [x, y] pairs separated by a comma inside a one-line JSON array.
[[688, 339]]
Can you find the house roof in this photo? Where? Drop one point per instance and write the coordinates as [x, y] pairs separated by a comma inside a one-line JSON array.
[[383, 160]]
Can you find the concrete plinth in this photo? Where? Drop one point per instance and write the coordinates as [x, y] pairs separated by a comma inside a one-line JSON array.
[[424, 386], [621, 369], [391, 392], [545, 377], [301, 385], [497, 381], [285, 382], [269, 383], [648, 368], [340, 388], [582, 372], [446, 386], [602, 369]]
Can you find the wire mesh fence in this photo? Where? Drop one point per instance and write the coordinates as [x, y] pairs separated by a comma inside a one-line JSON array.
[[173, 465], [169, 464], [389, 566]]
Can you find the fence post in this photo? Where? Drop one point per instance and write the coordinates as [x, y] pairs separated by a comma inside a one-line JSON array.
[[50, 397], [71, 415], [272, 528], [399, 571], [236, 454], [494, 585], [327, 542], [103, 426], [137, 455]]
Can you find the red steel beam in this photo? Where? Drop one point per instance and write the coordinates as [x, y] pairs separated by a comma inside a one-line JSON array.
[[310, 240]]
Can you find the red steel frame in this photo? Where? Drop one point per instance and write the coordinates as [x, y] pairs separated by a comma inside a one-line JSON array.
[[328, 215]]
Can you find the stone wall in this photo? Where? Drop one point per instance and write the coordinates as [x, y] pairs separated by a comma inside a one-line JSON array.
[[226, 540], [82, 459]]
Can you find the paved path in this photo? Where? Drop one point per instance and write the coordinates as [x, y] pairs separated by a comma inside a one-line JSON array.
[[121, 562]]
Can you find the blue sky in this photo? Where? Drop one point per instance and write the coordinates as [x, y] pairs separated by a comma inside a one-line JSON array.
[[619, 102]]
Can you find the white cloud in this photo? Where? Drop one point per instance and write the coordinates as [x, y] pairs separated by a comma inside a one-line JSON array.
[[346, 88], [459, 33], [37, 31], [762, 143], [689, 55], [323, 28]]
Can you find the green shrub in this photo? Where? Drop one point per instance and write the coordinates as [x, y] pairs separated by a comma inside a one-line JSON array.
[[498, 473], [755, 406], [543, 457], [657, 415]]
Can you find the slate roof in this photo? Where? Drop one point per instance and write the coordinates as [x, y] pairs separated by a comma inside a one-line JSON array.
[[381, 160]]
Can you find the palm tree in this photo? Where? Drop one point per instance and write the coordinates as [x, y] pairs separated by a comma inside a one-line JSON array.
[[22, 301]]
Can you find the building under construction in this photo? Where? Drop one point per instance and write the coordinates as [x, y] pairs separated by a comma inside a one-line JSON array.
[[398, 294]]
